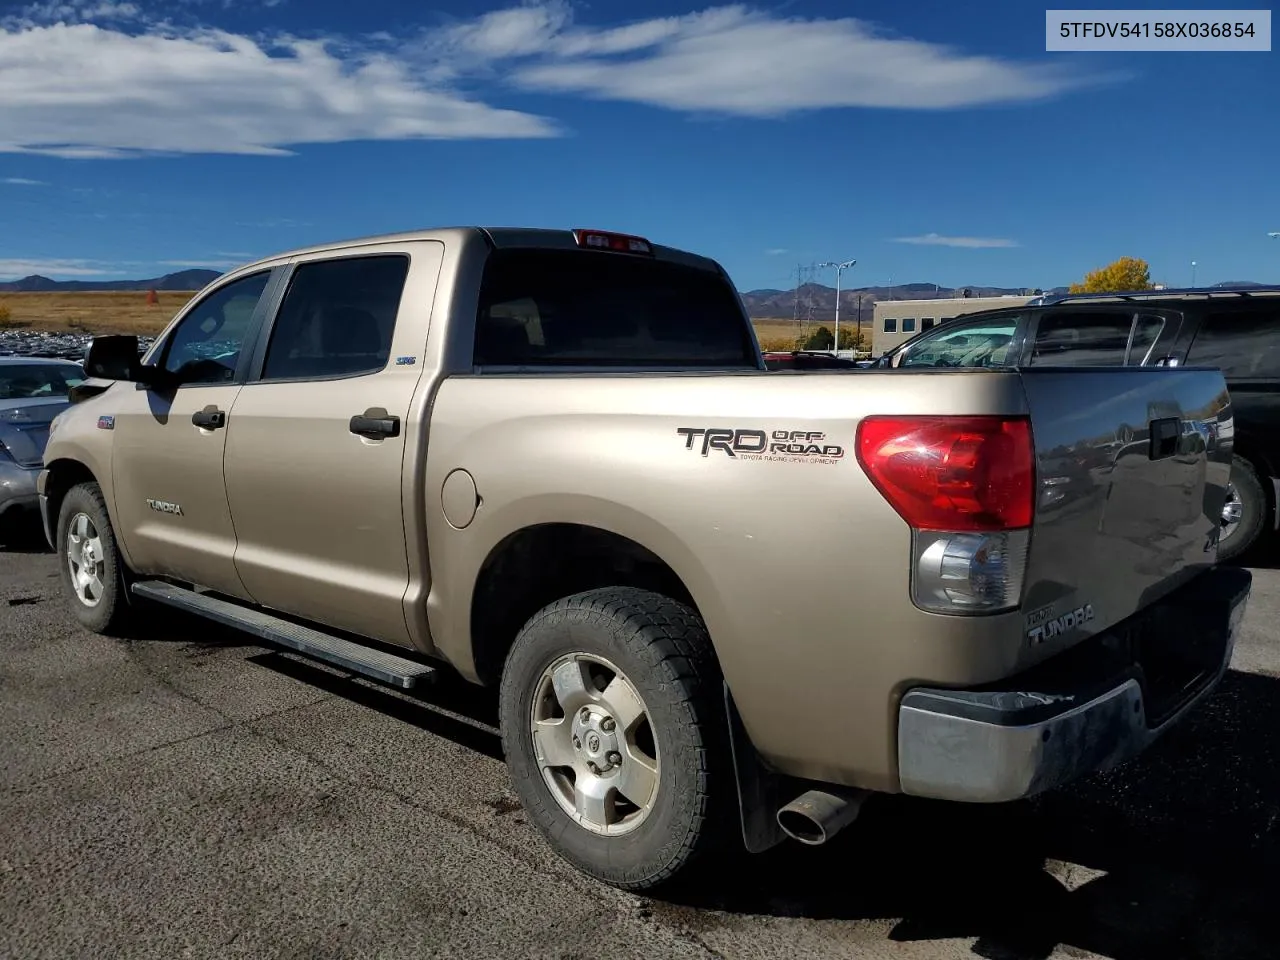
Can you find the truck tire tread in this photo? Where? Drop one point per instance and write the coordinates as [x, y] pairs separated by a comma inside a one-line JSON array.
[[113, 615], [671, 642]]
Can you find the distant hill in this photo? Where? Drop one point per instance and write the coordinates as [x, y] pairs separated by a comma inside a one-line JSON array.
[[182, 280]]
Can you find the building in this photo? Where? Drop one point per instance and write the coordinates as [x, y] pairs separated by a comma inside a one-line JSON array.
[[896, 321]]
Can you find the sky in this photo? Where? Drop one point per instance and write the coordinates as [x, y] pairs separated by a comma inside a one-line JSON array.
[[932, 142]]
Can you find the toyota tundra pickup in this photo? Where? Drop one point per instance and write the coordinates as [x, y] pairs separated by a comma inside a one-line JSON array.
[[719, 604]]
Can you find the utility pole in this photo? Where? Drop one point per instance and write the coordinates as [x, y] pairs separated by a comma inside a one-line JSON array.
[[840, 268], [857, 340]]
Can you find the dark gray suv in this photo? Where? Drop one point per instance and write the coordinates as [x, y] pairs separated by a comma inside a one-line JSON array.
[[1234, 329]]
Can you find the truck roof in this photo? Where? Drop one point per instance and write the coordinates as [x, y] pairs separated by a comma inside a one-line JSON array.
[[499, 237]]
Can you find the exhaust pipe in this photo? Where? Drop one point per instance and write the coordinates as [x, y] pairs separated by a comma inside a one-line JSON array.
[[815, 817]]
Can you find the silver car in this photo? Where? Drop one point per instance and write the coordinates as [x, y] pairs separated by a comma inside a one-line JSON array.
[[32, 392]]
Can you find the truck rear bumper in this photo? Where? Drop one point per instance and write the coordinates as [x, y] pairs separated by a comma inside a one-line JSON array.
[[1090, 708]]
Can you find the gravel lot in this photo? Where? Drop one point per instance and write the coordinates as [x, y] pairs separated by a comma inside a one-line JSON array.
[[190, 794]]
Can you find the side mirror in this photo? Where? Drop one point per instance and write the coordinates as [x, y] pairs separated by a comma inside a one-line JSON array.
[[118, 357], [114, 358]]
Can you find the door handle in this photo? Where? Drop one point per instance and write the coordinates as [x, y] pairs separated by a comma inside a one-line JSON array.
[[375, 427], [209, 418]]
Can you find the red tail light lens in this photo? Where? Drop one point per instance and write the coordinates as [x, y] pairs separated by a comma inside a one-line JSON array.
[[617, 242], [952, 473]]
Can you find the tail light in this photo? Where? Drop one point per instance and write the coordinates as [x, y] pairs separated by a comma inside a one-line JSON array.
[[965, 486], [616, 242]]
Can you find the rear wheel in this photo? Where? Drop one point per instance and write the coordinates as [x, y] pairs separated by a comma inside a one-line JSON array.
[[93, 573], [1244, 511], [613, 737]]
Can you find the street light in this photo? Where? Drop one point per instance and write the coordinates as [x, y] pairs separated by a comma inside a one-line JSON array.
[[840, 268]]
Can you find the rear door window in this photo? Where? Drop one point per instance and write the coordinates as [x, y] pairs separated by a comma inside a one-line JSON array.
[[586, 308], [337, 318], [985, 344], [1082, 339], [1243, 344]]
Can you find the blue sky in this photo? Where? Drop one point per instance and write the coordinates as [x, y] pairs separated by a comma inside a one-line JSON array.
[[930, 141]]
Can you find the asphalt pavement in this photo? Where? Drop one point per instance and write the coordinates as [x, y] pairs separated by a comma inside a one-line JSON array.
[[190, 794]]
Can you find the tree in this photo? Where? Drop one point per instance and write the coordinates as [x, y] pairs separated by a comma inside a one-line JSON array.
[[822, 339], [1127, 273], [851, 339]]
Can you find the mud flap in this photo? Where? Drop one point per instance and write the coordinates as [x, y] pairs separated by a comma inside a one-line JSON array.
[[758, 793]]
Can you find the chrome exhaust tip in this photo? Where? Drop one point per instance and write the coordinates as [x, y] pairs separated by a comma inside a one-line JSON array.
[[815, 817]]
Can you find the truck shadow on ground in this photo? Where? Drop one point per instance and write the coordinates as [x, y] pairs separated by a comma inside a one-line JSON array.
[[1174, 855]]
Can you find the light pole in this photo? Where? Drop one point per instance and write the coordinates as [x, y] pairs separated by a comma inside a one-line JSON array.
[[840, 268], [1193, 274]]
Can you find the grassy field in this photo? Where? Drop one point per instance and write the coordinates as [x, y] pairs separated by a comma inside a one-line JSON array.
[[129, 312], [97, 313]]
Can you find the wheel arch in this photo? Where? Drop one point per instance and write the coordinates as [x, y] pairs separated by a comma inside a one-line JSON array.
[[544, 562], [60, 476]]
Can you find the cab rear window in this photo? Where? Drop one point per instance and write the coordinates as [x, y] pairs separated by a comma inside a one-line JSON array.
[[588, 308]]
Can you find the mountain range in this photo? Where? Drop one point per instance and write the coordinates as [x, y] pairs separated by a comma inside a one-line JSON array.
[[182, 280], [811, 301]]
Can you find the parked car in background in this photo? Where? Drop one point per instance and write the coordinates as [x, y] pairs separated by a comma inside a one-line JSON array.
[[1234, 330], [806, 360], [32, 393]]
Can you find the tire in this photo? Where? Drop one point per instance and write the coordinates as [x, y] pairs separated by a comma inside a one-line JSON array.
[[84, 512], [1250, 501], [662, 650]]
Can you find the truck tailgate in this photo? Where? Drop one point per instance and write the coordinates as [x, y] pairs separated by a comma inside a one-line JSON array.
[[1132, 469]]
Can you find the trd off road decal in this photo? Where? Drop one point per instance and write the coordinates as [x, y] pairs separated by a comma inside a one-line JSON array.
[[775, 446]]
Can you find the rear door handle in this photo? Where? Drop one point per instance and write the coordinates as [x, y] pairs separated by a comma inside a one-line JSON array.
[[210, 418], [375, 427]]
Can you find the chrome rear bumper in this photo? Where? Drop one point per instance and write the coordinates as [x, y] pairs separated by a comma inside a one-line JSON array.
[[1086, 710]]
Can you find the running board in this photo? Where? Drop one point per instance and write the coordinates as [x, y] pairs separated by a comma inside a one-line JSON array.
[[386, 667]]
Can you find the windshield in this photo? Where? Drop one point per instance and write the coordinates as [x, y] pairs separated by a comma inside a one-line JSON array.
[[27, 381], [556, 307], [973, 346]]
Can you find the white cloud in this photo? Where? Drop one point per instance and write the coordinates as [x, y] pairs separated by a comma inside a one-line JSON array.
[[738, 61], [72, 11], [124, 82], [933, 239], [776, 251], [18, 268], [23, 182], [116, 94]]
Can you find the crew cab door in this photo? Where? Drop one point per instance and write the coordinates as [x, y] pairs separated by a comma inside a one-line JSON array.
[[316, 439], [171, 507]]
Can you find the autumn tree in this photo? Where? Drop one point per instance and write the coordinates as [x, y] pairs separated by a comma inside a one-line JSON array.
[[1127, 273]]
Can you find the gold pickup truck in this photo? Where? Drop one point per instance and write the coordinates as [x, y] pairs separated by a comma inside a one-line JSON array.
[[721, 604]]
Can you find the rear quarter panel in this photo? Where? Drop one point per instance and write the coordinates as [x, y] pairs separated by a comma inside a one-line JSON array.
[[800, 569]]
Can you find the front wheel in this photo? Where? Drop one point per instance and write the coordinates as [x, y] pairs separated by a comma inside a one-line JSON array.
[[613, 737], [93, 574]]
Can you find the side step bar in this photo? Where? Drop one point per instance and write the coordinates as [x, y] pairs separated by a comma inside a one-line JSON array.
[[385, 667]]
